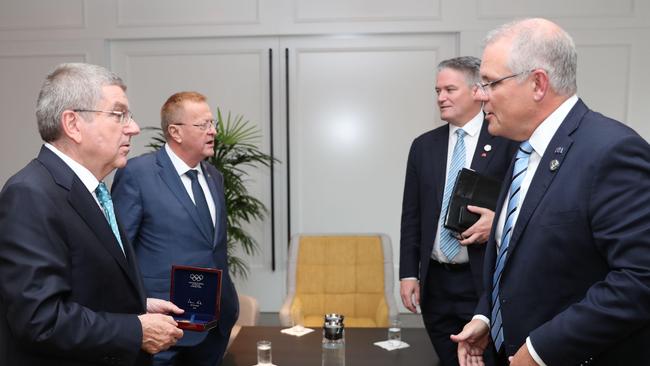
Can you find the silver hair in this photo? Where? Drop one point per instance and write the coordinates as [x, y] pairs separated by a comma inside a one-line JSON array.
[[538, 47], [70, 86], [468, 65]]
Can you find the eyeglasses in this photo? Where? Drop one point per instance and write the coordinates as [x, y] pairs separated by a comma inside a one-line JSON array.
[[124, 116], [210, 123], [485, 88]]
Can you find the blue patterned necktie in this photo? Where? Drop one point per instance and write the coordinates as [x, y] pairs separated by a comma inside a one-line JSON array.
[[200, 201], [518, 174], [106, 202], [448, 243]]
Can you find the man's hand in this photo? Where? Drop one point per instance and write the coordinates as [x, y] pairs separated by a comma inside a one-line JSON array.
[[480, 231], [159, 306], [409, 291], [522, 358], [159, 332], [472, 341]]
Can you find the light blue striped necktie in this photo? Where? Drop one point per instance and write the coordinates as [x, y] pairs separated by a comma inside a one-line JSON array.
[[448, 243], [106, 202], [518, 174]]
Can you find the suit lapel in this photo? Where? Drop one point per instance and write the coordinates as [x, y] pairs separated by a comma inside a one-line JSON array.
[[483, 154], [215, 187], [557, 150], [82, 201], [168, 174], [439, 149]]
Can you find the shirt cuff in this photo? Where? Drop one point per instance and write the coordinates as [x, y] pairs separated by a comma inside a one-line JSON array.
[[532, 352], [409, 278], [483, 318]]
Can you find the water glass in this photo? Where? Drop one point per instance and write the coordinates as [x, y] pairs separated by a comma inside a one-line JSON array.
[[264, 353], [395, 333]]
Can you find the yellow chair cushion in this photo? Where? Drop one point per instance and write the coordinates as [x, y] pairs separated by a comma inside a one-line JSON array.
[[341, 274]]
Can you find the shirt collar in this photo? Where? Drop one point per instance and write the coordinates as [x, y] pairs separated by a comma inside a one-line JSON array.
[[543, 134], [87, 178], [472, 127], [179, 164]]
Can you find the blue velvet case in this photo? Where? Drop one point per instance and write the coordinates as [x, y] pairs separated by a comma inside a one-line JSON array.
[[197, 291]]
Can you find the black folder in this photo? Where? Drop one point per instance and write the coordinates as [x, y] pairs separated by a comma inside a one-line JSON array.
[[471, 188]]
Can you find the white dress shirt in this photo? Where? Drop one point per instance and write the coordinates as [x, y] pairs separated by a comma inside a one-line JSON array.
[[181, 169], [473, 130]]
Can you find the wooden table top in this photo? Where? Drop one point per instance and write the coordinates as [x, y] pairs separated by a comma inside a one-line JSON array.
[[288, 350]]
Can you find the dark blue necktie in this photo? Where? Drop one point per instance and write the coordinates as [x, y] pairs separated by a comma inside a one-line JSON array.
[[518, 174], [200, 201]]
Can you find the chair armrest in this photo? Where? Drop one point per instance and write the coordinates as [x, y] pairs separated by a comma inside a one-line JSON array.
[[285, 312]]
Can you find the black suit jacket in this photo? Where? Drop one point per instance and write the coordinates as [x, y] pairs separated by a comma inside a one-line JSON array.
[[577, 272], [423, 190], [68, 295]]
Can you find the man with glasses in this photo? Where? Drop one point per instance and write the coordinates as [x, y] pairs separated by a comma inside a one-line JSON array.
[[173, 209], [70, 292], [568, 262], [438, 271]]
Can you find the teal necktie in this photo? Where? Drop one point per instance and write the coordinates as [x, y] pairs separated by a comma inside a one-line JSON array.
[[448, 243], [107, 205]]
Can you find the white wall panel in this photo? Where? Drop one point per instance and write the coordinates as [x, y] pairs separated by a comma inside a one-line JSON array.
[[20, 141], [39, 14], [137, 13], [555, 8], [365, 10]]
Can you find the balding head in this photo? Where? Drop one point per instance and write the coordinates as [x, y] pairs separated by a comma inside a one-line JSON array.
[[538, 43]]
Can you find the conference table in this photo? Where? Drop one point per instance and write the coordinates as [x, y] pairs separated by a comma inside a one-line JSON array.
[[288, 350]]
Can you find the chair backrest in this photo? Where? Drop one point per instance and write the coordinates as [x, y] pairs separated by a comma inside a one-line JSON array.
[[350, 274], [249, 311]]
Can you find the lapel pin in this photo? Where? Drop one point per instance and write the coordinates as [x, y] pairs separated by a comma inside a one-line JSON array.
[[487, 147], [559, 150], [555, 164]]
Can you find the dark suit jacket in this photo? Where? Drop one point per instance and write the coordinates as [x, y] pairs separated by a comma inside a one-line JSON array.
[[423, 190], [68, 295], [577, 275], [161, 221]]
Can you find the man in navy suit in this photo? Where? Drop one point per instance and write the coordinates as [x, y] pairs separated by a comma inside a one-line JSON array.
[[173, 208], [447, 287], [70, 291], [568, 263]]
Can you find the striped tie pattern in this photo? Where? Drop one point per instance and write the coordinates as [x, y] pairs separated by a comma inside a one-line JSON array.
[[448, 243], [106, 202], [519, 172]]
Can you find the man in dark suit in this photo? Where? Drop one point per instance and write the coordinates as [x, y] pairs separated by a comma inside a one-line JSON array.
[[173, 208], [70, 291], [568, 261], [449, 283]]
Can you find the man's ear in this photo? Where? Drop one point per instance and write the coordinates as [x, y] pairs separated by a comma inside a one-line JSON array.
[[175, 133], [71, 125], [541, 84]]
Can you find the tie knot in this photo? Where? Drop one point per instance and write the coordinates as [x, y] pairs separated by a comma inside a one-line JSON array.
[[461, 133], [102, 192], [193, 174], [525, 148]]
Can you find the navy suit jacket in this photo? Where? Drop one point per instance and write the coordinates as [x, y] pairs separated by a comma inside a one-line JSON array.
[[577, 275], [423, 190], [161, 221], [68, 294]]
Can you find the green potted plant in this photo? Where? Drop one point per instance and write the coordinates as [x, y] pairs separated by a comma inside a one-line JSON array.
[[234, 150]]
